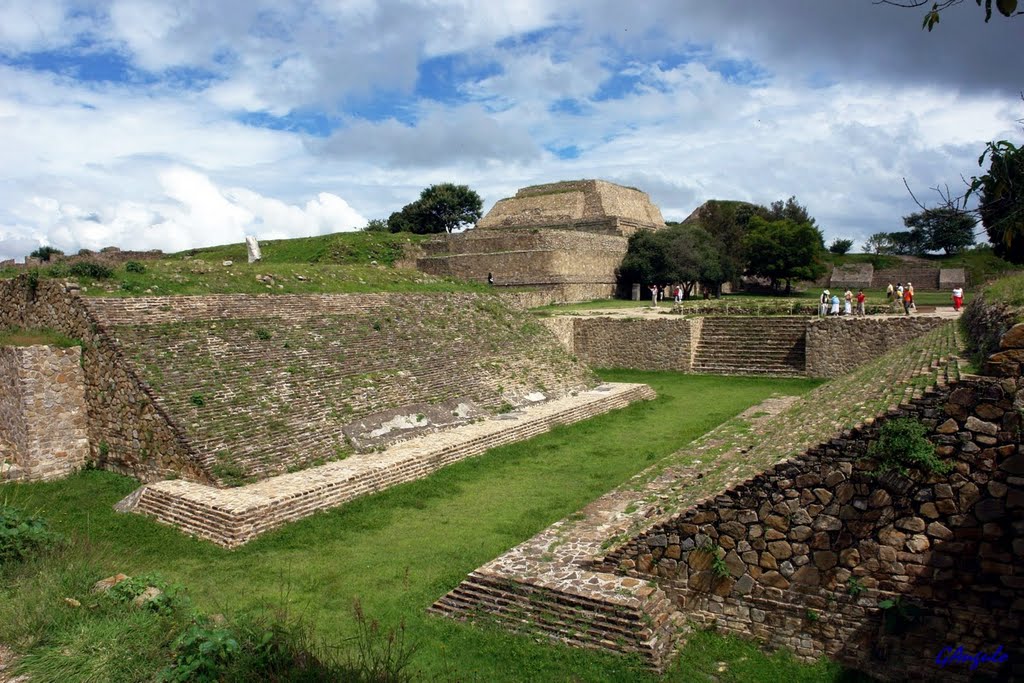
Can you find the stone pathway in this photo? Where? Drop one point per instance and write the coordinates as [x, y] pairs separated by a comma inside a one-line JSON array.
[[232, 517], [563, 563]]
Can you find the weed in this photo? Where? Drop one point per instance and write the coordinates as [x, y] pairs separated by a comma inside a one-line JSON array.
[[22, 535], [263, 333], [901, 444], [91, 269], [854, 586], [197, 400], [134, 267]]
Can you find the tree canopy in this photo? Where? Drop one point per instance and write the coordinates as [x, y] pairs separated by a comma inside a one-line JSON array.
[[722, 240], [445, 207], [784, 250], [1001, 199], [942, 229]]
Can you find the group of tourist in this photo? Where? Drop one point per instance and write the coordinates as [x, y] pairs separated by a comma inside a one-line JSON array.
[[901, 296], [829, 303]]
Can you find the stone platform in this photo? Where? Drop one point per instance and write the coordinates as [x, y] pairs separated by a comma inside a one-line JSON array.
[[232, 517], [560, 584]]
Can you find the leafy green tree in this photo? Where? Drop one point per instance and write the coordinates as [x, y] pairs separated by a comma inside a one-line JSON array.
[[1001, 198], [945, 229], [840, 246], [645, 261], [783, 251], [441, 208], [376, 225], [692, 258]]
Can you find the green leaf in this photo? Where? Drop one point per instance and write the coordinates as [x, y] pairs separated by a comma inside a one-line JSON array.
[[1006, 7]]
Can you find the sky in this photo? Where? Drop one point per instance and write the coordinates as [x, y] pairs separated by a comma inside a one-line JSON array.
[[160, 124]]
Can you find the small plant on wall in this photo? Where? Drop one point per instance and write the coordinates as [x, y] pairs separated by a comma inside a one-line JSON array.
[[902, 444]]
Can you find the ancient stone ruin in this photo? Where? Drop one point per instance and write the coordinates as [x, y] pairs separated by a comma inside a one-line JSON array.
[[564, 238]]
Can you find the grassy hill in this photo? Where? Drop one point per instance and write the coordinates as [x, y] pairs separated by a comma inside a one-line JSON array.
[[347, 262]]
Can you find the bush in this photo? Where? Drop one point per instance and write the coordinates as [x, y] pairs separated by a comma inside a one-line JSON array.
[[22, 535], [44, 253], [97, 271], [901, 444], [840, 246], [134, 267]]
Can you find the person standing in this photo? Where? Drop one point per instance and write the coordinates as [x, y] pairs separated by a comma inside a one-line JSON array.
[[889, 293], [654, 296], [835, 305], [823, 302], [897, 300], [847, 302], [910, 287], [860, 301], [958, 298], [908, 299]]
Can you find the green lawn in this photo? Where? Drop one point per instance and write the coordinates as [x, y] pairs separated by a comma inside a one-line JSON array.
[[400, 550]]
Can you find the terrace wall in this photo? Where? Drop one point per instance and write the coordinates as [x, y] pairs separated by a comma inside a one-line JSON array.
[[808, 550], [128, 431], [42, 411], [837, 345]]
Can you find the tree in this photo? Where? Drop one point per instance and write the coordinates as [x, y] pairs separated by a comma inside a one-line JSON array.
[[1008, 8], [376, 225], [44, 253], [681, 254], [441, 208], [783, 250], [840, 246], [1001, 198], [943, 229], [692, 258]]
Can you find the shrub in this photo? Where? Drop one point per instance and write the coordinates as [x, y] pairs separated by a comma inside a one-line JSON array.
[[134, 267], [22, 535], [840, 246], [263, 333], [901, 444], [44, 253], [97, 271], [197, 400]]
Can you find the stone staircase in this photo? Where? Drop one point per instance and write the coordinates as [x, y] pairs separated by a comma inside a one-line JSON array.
[[752, 346], [643, 623]]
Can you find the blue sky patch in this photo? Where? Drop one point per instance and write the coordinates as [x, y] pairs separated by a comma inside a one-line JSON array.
[[441, 79], [568, 105], [312, 123], [566, 152]]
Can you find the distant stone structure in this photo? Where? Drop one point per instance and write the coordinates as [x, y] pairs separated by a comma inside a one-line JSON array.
[[567, 238]]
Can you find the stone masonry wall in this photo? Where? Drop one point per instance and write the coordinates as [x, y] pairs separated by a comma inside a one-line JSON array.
[[837, 345], [804, 555], [50, 436], [13, 434], [640, 344], [128, 431]]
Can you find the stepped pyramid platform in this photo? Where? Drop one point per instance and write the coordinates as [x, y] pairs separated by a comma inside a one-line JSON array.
[[566, 583], [233, 517], [566, 238], [736, 345]]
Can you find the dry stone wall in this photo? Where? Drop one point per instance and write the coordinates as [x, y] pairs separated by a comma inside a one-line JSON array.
[[736, 345], [804, 555], [837, 345], [633, 343], [128, 431], [42, 411]]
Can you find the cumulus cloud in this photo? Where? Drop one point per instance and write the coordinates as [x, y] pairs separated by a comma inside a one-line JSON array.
[[191, 210], [439, 138]]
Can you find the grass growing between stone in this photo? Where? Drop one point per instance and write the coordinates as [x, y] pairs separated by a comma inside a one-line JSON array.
[[398, 551]]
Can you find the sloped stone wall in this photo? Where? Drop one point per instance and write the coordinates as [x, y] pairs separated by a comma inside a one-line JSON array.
[[835, 346], [128, 431], [802, 555]]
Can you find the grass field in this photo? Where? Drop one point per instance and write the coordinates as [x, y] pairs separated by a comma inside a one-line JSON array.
[[396, 552]]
